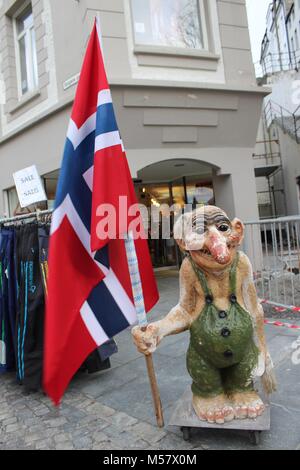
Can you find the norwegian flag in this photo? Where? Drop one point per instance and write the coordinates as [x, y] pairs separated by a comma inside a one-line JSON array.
[[89, 291]]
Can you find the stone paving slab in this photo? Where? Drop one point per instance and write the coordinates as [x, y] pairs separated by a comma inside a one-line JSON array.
[[113, 409]]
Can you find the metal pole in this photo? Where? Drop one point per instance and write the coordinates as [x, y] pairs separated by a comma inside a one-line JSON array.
[[25, 216]]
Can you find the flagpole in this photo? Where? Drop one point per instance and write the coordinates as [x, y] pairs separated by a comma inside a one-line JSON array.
[[143, 322]]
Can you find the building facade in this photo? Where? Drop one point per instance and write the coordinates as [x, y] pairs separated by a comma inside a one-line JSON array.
[[182, 81], [277, 152], [281, 43]]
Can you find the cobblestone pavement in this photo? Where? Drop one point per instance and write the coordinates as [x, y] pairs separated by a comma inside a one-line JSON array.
[[30, 422], [113, 409]]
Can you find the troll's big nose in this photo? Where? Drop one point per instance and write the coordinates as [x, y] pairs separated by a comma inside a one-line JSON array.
[[216, 243]]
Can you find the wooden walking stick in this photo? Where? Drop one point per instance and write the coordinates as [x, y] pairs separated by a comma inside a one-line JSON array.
[[142, 321]]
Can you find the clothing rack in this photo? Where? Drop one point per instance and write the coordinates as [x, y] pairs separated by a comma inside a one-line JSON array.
[[37, 215], [23, 290]]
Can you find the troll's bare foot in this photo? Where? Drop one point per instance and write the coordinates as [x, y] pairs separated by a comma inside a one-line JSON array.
[[214, 410], [247, 405]]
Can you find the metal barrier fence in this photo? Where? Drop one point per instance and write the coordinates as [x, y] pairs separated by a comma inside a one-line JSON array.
[[277, 62], [273, 246], [288, 121]]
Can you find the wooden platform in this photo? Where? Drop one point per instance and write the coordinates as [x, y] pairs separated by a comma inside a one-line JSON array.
[[184, 416]]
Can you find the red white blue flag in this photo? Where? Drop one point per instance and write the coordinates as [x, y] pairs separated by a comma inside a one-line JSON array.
[[89, 291]]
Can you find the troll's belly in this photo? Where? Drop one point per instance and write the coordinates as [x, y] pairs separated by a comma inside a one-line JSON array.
[[222, 337]]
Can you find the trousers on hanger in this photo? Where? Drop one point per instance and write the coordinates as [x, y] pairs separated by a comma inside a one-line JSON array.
[[7, 300], [30, 310], [43, 233]]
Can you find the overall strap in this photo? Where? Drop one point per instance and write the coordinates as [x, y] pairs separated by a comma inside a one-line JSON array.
[[202, 278], [232, 274]]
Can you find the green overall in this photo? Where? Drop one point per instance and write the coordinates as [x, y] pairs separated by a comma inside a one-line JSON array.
[[222, 353]]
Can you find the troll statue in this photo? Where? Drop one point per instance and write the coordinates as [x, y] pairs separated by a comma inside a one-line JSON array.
[[219, 305]]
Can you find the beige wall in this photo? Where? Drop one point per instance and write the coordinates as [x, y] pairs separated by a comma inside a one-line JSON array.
[[213, 127], [62, 30], [169, 104]]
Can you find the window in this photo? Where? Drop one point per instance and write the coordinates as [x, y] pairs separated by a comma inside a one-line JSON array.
[[50, 182], [26, 51], [292, 45], [14, 207], [173, 23]]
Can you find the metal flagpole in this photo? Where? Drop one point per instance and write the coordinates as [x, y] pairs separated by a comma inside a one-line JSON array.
[[142, 321]]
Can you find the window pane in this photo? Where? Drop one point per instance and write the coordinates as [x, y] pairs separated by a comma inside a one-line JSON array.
[[27, 51], [167, 23], [50, 187], [178, 192], [13, 201], [23, 67], [199, 192], [34, 59], [25, 20]]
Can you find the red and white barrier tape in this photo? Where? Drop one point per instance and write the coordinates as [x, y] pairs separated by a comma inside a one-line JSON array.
[[284, 325], [281, 308]]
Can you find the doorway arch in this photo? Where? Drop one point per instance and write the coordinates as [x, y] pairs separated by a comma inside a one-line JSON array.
[[177, 181]]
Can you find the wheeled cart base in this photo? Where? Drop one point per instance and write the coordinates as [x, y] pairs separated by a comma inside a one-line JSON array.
[[185, 417]]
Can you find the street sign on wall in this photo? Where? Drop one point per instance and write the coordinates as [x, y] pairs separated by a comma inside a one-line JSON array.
[[29, 186], [71, 81]]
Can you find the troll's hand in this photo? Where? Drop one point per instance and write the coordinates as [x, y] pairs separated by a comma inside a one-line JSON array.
[[146, 339]]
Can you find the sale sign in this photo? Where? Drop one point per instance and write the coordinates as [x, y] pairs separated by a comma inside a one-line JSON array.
[[29, 186]]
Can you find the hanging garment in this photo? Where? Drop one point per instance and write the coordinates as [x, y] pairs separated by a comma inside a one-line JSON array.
[[43, 232], [99, 359], [30, 310], [107, 349], [7, 300]]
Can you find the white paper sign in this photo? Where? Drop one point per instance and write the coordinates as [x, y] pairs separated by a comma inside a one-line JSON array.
[[29, 186]]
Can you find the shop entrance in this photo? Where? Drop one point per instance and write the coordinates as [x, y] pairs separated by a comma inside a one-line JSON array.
[[172, 182]]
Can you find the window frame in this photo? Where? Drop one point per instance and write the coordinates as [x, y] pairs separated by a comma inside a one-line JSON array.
[[32, 77], [158, 47]]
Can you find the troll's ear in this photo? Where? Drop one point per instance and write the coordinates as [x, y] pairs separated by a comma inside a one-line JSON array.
[[238, 229]]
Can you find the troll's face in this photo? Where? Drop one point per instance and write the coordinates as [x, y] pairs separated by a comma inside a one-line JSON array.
[[209, 236]]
